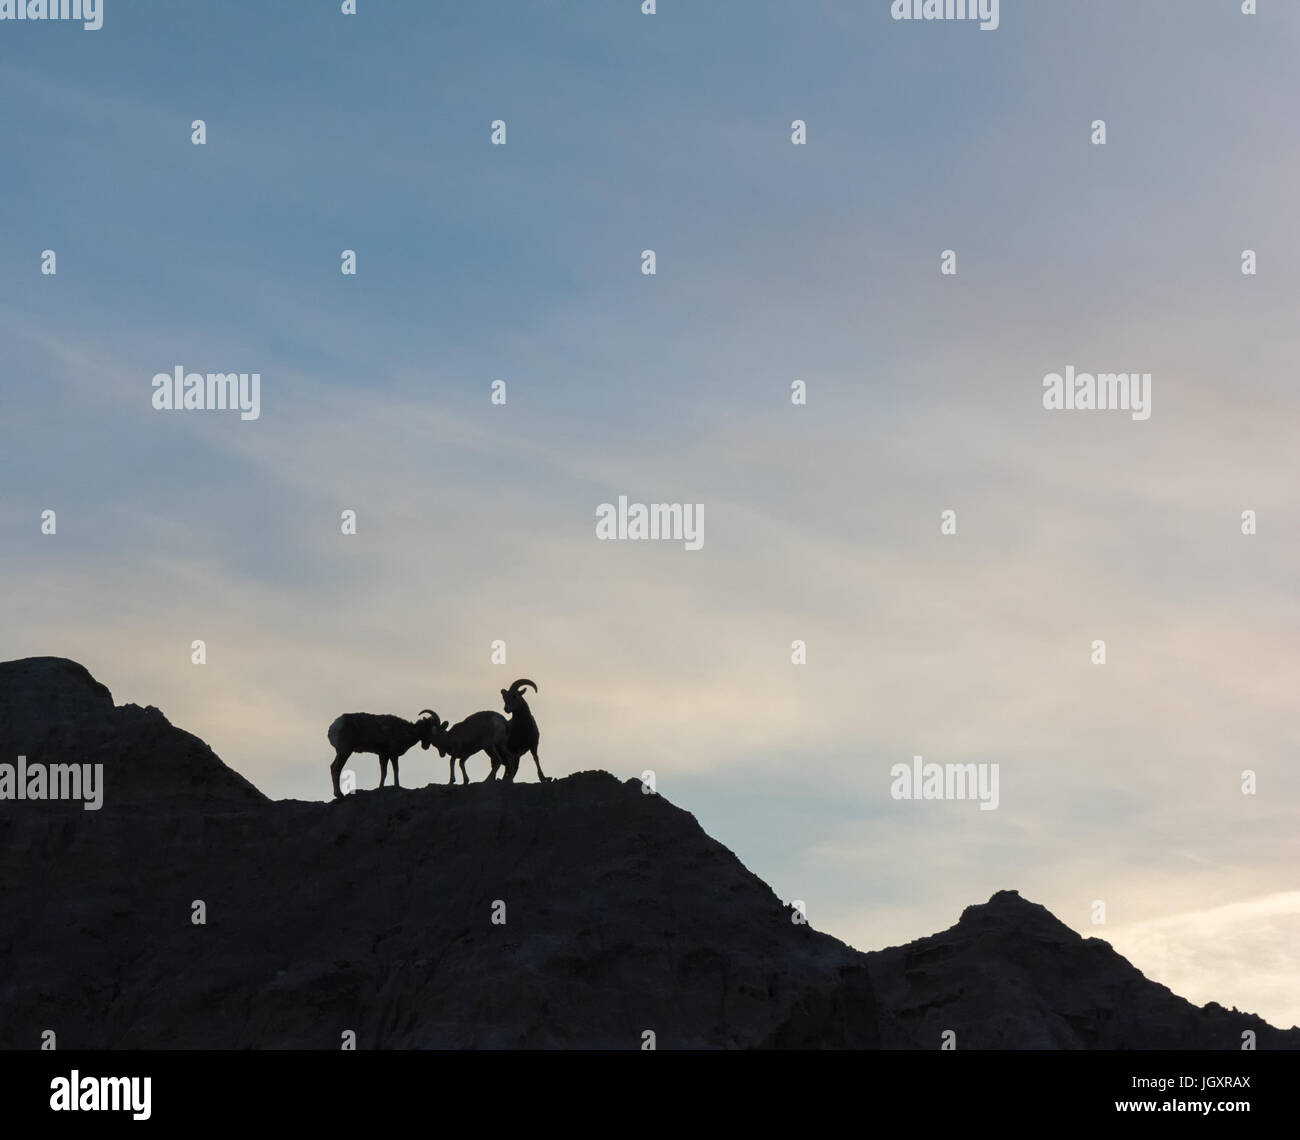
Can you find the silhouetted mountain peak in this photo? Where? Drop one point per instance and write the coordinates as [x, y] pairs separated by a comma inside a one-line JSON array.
[[1008, 910], [579, 912], [52, 711], [55, 683]]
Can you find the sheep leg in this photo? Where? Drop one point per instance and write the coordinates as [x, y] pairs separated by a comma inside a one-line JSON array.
[[451, 770], [464, 777], [383, 770], [539, 766], [396, 782], [340, 758], [492, 775], [511, 765]]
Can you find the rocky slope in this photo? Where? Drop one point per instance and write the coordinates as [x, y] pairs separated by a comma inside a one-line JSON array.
[[376, 914], [1012, 975], [53, 711]]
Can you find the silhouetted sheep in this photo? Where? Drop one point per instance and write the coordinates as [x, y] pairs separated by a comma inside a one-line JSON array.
[[479, 732], [523, 728], [386, 736]]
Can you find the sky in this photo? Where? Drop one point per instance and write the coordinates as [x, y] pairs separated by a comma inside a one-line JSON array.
[[1119, 783]]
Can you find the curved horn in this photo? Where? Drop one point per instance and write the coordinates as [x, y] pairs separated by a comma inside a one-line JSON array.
[[430, 712], [521, 683]]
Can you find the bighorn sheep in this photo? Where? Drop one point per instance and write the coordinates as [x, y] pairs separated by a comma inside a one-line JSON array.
[[479, 732], [523, 728], [386, 736]]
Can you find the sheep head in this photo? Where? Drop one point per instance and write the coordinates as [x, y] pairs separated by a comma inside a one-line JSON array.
[[433, 730], [513, 697], [427, 725]]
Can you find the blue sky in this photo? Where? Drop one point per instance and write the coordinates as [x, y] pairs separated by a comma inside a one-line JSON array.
[[775, 262]]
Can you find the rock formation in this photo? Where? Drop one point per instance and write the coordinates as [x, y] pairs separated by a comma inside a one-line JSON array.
[[375, 914]]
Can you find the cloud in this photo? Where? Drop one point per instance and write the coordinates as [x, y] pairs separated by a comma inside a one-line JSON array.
[[1239, 954]]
